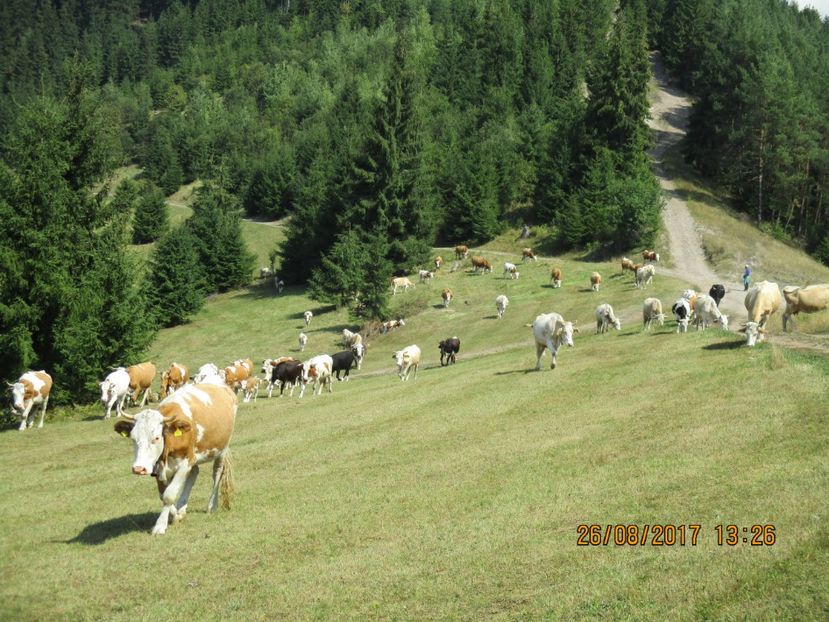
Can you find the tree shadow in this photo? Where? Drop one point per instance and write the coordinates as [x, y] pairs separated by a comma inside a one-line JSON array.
[[98, 533], [531, 370]]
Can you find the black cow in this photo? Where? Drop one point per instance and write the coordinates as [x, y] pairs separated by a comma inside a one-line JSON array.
[[286, 372], [449, 347], [342, 362], [717, 292]]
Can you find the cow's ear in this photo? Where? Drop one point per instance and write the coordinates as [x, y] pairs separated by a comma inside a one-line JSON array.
[[177, 426], [575, 329], [123, 427]]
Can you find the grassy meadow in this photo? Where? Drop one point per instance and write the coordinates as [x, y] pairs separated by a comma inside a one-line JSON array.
[[455, 495]]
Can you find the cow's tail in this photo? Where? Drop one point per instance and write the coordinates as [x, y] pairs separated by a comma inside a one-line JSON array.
[[226, 488]]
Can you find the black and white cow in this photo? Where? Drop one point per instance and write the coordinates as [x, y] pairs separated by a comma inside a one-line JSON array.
[[449, 347], [717, 292], [682, 313], [285, 373], [342, 361]]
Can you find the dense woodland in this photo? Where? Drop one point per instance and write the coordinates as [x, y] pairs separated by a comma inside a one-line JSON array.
[[378, 129]]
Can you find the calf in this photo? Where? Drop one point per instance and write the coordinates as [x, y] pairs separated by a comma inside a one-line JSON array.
[[425, 275], [250, 388], [407, 359], [446, 294], [317, 371], [652, 310], [114, 391], [31, 389], [606, 318], [527, 253], [682, 312], [555, 277], [173, 378], [501, 303], [400, 281], [141, 379], [595, 281], [342, 361], [449, 347], [511, 270], [717, 292], [192, 426]]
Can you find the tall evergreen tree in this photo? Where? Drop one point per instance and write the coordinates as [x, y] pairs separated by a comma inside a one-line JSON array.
[[150, 221], [174, 284]]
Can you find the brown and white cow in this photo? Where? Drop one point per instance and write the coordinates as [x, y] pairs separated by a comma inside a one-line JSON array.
[[461, 251], [401, 281], [425, 275], [392, 324], [317, 371], [809, 299], [31, 389], [236, 373], [446, 294], [555, 277], [479, 263], [173, 378], [438, 262], [762, 300], [250, 388], [141, 379], [595, 281], [511, 270], [527, 253], [650, 255], [627, 264], [192, 426]]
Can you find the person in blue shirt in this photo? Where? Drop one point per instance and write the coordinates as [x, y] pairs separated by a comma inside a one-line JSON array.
[[746, 277]]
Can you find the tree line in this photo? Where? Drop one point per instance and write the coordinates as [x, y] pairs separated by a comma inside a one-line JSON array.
[[377, 129]]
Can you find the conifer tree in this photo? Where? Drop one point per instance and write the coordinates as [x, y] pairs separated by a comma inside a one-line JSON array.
[[150, 221], [174, 284]]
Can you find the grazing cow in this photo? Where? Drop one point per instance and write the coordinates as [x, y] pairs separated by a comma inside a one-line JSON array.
[[438, 262], [449, 348], [250, 388], [707, 313], [425, 275], [31, 389], [359, 350], [595, 281], [114, 391], [606, 318], [527, 253], [391, 324], [652, 310], [282, 372], [208, 373], [627, 264], [479, 263], [501, 303], [141, 378], [265, 272], [682, 312], [809, 299], [511, 270], [461, 251], [650, 255], [401, 281], [192, 426], [317, 371], [407, 358], [446, 294], [173, 378], [555, 277], [762, 300], [644, 276], [279, 284], [303, 341], [342, 361], [717, 292], [308, 315], [550, 332]]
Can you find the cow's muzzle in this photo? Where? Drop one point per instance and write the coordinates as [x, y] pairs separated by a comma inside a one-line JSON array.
[[139, 470]]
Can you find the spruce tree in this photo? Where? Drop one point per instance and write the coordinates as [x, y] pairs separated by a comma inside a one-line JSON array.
[[174, 284], [150, 220]]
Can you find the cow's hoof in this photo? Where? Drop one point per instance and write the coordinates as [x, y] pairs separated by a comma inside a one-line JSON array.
[[159, 531]]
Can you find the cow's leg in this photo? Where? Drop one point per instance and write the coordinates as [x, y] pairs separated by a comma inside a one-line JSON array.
[[42, 412], [416, 365], [539, 350], [120, 405], [168, 498], [181, 504], [146, 396], [218, 469], [301, 390], [25, 415], [553, 351]]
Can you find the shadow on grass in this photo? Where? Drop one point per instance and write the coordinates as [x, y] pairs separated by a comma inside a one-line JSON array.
[[531, 370], [725, 345], [98, 533]]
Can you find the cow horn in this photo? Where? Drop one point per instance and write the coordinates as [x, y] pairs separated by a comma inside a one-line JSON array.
[[127, 417]]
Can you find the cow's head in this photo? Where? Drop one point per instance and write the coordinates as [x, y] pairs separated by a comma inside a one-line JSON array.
[[682, 325], [401, 357], [267, 366], [107, 390], [565, 334], [309, 372], [617, 323], [660, 318], [359, 350], [146, 429], [724, 322], [18, 393], [754, 333]]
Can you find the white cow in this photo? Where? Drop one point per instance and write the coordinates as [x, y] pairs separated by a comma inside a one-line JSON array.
[[208, 373], [652, 310], [762, 300], [644, 276], [308, 315], [317, 371], [114, 391], [550, 331], [407, 358], [501, 303], [303, 340], [707, 313], [359, 350], [605, 318]]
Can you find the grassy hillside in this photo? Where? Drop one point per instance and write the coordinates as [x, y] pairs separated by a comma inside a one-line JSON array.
[[456, 495]]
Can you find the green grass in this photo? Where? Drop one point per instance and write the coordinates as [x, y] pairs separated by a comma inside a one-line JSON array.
[[456, 495]]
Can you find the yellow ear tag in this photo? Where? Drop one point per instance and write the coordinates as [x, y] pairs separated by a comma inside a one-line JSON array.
[[177, 432], [124, 434]]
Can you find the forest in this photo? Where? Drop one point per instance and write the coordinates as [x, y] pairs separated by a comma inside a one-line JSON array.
[[376, 130]]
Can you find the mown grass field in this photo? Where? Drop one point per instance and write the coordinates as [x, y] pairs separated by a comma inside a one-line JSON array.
[[456, 495]]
